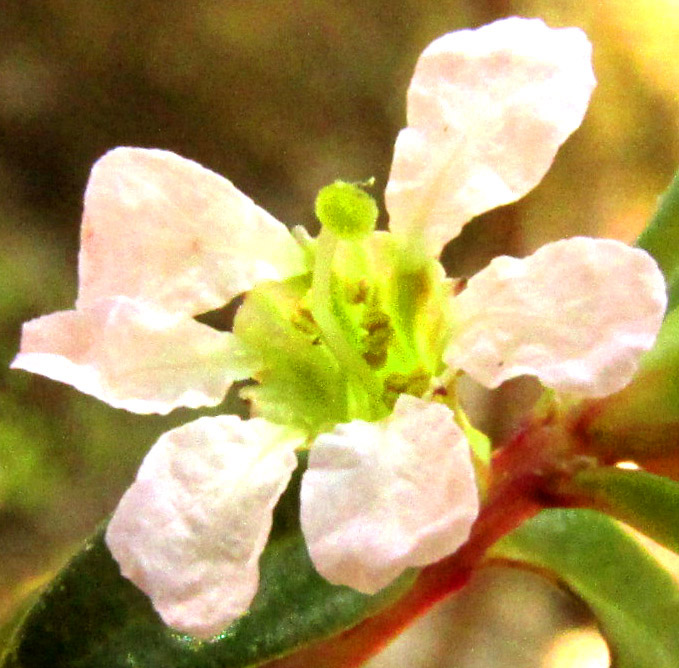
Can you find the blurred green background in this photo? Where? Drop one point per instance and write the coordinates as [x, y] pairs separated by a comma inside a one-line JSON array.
[[281, 97]]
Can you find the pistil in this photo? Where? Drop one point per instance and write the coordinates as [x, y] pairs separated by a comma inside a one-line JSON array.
[[334, 333]]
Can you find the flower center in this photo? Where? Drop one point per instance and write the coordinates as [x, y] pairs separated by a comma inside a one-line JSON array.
[[341, 343]]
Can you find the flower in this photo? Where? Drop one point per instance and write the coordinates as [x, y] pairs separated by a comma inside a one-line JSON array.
[[346, 335]]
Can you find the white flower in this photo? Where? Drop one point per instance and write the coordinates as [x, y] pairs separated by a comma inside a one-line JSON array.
[[164, 240]]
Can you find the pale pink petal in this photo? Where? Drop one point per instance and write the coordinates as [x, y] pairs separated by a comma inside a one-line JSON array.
[[191, 528], [577, 314], [487, 112], [134, 356], [380, 497], [162, 228]]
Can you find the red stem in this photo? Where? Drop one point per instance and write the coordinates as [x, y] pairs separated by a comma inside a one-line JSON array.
[[514, 501]]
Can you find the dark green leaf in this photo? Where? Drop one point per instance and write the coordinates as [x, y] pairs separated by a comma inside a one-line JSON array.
[[91, 617], [648, 502], [661, 238], [635, 601]]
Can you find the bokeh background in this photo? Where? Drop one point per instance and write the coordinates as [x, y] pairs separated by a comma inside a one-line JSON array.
[[283, 96]]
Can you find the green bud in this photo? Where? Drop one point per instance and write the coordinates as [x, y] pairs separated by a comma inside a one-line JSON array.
[[346, 210]]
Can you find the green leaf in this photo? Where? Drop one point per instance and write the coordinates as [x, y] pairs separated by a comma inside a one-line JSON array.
[[647, 502], [661, 238], [91, 617], [635, 601]]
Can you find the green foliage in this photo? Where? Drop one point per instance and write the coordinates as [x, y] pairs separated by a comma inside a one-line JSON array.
[[661, 239], [92, 617], [635, 601], [648, 502]]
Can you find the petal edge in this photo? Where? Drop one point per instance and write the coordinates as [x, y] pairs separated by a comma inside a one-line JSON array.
[[577, 314], [378, 498], [134, 356], [487, 112], [160, 228], [191, 528]]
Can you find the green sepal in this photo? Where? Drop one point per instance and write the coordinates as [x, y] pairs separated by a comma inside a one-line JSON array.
[[661, 238], [635, 601], [647, 502], [92, 617]]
